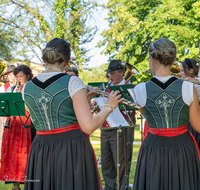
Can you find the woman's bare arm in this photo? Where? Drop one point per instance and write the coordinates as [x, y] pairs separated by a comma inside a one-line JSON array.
[[194, 112], [88, 122]]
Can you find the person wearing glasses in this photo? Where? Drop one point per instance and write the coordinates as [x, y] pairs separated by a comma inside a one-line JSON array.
[[115, 72], [16, 142], [61, 156]]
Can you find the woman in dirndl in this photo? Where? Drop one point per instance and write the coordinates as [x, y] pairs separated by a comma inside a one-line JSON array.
[[169, 157], [190, 69], [61, 156], [16, 142]]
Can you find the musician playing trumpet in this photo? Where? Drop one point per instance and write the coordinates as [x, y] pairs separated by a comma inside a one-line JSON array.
[[189, 69]]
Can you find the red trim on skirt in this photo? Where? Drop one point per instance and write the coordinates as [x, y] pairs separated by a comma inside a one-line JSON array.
[[72, 127], [172, 132]]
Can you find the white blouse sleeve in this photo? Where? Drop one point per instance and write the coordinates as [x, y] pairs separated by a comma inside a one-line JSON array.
[[140, 96], [75, 84], [187, 92]]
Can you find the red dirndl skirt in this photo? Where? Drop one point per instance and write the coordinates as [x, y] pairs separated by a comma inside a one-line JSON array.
[[16, 144]]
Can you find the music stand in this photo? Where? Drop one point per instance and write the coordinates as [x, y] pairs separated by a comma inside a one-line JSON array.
[[125, 94], [12, 104], [101, 85]]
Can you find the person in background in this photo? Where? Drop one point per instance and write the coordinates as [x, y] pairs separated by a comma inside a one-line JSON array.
[[169, 156], [61, 155], [116, 71], [16, 141], [11, 79], [189, 69], [10, 76], [72, 70]]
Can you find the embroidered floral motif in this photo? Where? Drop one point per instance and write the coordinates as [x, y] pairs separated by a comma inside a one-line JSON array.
[[165, 101], [43, 101]]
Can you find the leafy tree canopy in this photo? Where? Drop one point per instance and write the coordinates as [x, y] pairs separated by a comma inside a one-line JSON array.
[[32, 23], [133, 25]]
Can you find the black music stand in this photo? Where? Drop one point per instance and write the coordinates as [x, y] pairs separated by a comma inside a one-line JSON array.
[[12, 104], [123, 89]]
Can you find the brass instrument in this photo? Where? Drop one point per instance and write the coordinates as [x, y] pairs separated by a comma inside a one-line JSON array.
[[105, 94], [130, 71], [2, 67], [175, 70]]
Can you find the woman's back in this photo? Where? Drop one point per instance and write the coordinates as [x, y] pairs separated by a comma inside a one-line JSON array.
[[49, 102], [165, 107]]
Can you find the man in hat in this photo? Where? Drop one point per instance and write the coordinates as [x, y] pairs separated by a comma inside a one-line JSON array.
[[10, 76], [116, 71]]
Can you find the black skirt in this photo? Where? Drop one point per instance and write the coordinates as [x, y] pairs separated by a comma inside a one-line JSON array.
[[62, 161], [194, 133], [167, 163]]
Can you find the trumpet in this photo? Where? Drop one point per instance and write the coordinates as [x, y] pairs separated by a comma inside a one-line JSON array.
[[105, 94]]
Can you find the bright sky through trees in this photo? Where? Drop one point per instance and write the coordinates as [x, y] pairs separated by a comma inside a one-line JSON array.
[[97, 59]]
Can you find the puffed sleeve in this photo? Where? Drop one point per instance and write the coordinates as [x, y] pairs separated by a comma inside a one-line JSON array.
[[75, 84]]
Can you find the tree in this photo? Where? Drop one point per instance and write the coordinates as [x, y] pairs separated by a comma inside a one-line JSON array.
[[35, 22], [135, 24], [6, 42]]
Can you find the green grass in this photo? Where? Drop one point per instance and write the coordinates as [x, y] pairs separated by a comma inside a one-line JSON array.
[[10, 186], [137, 138]]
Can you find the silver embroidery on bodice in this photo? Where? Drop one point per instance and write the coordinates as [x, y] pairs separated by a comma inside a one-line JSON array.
[[44, 101], [165, 101]]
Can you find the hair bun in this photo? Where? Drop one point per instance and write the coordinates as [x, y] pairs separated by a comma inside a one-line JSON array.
[[164, 50], [49, 55], [56, 50]]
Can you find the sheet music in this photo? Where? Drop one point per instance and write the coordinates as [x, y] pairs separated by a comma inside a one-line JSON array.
[[115, 119], [131, 92]]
